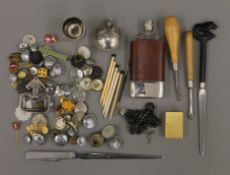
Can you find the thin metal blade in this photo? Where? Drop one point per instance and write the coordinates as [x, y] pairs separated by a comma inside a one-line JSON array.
[[177, 86], [190, 107], [105, 155], [202, 115]]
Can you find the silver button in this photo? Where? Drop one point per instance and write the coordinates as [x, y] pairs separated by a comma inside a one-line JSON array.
[[81, 140], [96, 85], [108, 131], [75, 75], [29, 39], [85, 83], [90, 121], [61, 139], [81, 108], [49, 61], [33, 71], [57, 69], [78, 94], [115, 143], [59, 123], [87, 70], [38, 139], [27, 139], [84, 51]]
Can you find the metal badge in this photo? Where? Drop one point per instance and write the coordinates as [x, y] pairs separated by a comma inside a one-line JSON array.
[[39, 118], [84, 51], [81, 108], [90, 121], [59, 123], [96, 140], [29, 39], [38, 139], [87, 70], [85, 83], [108, 131], [96, 85], [115, 143], [49, 61], [75, 75], [61, 139], [81, 140], [73, 28]]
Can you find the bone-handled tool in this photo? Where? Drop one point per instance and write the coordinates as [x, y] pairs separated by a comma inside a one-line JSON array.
[[189, 54], [172, 34], [202, 32]]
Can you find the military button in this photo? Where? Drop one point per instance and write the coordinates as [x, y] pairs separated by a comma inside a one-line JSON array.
[[27, 139], [96, 140], [78, 94], [81, 108], [73, 140], [77, 61], [96, 85], [85, 83], [108, 131], [115, 142], [29, 39], [87, 70], [12, 78], [57, 70], [23, 47], [90, 121], [25, 56], [59, 123], [61, 139], [36, 57], [49, 61], [97, 72], [84, 51], [33, 71], [81, 140], [39, 119], [38, 139], [75, 75], [90, 61]]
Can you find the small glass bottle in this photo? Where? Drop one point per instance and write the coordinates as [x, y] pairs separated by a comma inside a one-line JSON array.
[[147, 63]]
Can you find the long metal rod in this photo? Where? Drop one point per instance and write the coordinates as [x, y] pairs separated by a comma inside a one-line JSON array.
[[177, 83]]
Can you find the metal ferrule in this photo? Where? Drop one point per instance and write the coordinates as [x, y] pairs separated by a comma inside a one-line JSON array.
[[175, 67], [190, 84], [202, 85]]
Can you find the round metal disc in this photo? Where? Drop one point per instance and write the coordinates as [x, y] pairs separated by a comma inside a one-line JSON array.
[[61, 139], [81, 140], [78, 94], [115, 142], [96, 140], [59, 123], [81, 108], [90, 121], [75, 75], [33, 71], [85, 83], [38, 139], [49, 61], [108, 131], [96, 85]]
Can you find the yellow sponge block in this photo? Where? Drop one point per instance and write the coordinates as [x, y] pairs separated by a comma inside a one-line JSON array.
[[174, 125]]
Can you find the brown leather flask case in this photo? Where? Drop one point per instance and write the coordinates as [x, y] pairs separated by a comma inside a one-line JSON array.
[[147, 60], [147, 68]]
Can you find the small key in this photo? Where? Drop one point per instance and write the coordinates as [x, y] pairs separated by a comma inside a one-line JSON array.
[[149, 133], [16, 125]]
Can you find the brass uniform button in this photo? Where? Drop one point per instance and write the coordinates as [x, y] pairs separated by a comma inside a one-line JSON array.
[[96, 140], [85, 83], [96, 85]]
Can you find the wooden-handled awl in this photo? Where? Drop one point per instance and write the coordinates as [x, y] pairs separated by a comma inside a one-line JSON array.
[[189, 54], [172, 34]]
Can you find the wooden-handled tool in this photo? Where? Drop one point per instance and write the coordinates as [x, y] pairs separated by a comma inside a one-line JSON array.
[[189, 54], [172, 34]]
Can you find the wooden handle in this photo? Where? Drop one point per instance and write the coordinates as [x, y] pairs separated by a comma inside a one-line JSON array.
[[172, 34], [189, 55]]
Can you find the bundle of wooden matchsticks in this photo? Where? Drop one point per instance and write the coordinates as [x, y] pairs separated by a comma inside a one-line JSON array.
[[112, 88]]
